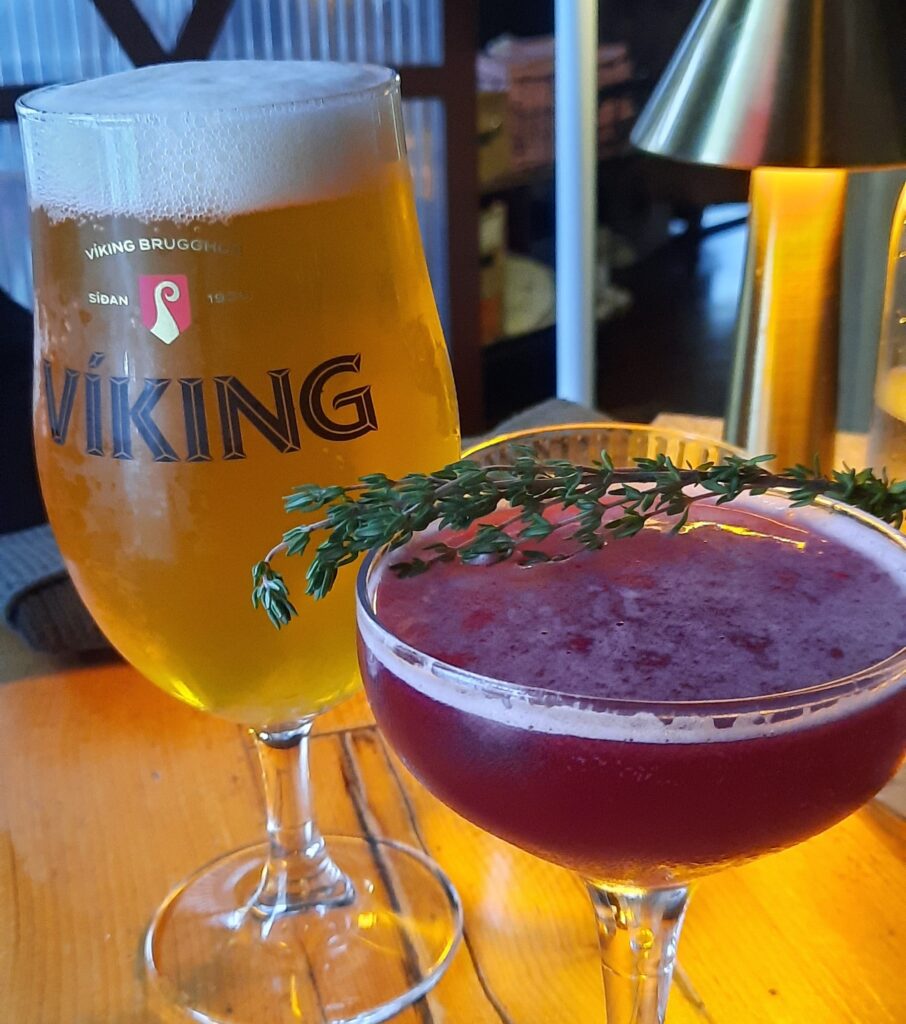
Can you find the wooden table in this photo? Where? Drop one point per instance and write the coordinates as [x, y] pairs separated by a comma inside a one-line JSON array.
[[112, 792]]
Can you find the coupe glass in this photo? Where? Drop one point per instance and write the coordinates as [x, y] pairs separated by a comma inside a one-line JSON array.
[[640, 820], [231, 299]]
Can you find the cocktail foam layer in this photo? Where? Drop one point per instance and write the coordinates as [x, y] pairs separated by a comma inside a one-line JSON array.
[[209, 140], [586, 717]]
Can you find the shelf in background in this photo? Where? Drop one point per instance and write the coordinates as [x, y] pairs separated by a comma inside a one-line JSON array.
[[517, 179], [543, 175]]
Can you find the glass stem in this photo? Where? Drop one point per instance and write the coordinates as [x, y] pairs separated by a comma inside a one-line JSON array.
[[299, 873], [638, 931]]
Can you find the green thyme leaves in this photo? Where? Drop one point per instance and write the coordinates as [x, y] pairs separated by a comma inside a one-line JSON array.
[[602, 501]]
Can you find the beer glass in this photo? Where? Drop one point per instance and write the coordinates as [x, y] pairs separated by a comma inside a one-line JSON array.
[[232, 299]]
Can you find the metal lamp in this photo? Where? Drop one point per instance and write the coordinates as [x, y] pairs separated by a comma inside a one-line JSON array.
[[799, 91]]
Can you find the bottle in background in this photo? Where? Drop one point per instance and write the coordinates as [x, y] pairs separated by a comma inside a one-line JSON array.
[[887, 438]]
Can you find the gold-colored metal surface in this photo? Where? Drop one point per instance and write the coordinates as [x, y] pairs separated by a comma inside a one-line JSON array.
[[784, 83], [783, 390]]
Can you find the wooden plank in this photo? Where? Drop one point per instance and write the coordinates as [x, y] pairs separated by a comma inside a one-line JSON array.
[[103, 810], [389, 812], [529, 924], [113, 792], [342, 808], [813, 934]]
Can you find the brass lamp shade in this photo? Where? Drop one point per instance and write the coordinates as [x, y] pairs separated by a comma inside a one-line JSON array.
[[800, 92], [784, 83]]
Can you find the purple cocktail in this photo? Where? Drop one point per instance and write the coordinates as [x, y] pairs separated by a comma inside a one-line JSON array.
[[655, 710]]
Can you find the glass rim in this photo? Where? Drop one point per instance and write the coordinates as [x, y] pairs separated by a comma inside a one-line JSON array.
[[639, 428], [881, 673], [388, 82]]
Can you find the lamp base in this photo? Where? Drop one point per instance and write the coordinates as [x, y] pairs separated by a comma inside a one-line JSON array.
[[783, 388]]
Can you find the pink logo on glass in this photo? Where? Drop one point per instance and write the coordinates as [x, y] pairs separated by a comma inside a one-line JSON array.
[[166, 311]]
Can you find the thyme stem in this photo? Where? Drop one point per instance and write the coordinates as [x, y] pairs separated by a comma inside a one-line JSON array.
[[379, 511]]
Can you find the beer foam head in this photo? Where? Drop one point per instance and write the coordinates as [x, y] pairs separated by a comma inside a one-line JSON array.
[[209, 139]]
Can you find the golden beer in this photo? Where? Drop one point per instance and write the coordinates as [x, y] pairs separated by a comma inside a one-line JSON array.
[[198, 358], [230, 300]]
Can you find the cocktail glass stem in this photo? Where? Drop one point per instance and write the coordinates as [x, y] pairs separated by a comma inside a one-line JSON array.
[[299, 873], [638, 930]]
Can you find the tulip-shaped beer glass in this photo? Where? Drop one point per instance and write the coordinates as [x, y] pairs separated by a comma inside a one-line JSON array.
[[232, 299]]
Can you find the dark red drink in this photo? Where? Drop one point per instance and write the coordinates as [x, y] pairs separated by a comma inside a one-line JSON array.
[[560, 706]]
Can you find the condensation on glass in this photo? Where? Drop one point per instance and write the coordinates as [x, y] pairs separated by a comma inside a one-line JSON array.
[[57, 40]]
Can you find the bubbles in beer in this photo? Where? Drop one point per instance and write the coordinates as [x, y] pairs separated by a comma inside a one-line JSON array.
[[190, 141]]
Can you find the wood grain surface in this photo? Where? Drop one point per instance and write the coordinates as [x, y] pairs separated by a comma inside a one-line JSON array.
[[112, 792]]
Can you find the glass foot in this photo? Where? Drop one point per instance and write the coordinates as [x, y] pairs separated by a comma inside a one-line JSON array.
[[212, 955]]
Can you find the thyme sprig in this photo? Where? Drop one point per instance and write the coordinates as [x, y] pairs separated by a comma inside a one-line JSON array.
[[379, 511]]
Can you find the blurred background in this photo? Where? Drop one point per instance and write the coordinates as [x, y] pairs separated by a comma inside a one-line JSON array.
[[477, 77]]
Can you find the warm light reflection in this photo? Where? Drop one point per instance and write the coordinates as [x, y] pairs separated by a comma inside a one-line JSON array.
[[791, 361], [741, 531], [294, 1004], [795, 212]]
